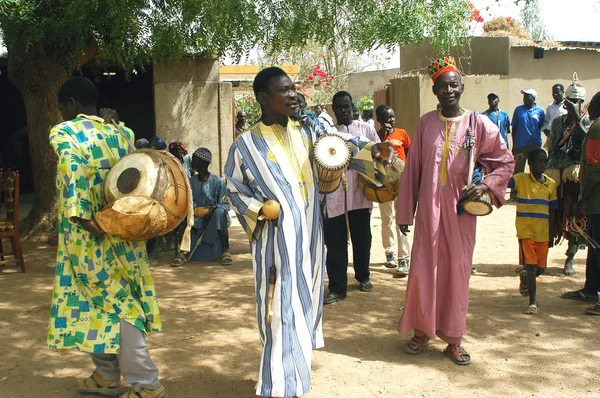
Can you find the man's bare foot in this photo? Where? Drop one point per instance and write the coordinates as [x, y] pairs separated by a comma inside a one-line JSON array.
[[569, 270]]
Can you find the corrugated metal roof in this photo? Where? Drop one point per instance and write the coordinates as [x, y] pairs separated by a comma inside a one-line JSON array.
[[565, 45]]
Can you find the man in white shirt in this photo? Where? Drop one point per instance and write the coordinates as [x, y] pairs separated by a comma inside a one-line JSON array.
[[322, 114], [556, 108], [345, 211]]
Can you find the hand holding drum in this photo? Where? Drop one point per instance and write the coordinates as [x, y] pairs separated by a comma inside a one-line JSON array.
[[385, 152], [201, 212], [271, 209]]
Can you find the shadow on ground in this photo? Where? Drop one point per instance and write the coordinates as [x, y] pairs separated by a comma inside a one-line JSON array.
[[210, 345]]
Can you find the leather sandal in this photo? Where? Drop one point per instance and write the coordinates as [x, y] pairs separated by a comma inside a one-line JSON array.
[[95, 384], [458, 354], [144, 393], [416, 345]]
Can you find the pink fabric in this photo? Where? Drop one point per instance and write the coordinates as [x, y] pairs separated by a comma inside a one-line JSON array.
[[355, 199], [437, 295]]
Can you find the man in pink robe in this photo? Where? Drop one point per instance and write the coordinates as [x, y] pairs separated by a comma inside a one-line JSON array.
[[435, 177]]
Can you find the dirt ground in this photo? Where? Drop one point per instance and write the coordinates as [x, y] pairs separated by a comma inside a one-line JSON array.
[[210, 345]]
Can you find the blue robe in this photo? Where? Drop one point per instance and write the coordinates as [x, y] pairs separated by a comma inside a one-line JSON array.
[[211, 193], [273, 163]]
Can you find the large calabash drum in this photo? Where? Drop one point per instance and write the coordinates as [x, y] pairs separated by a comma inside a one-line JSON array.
[[387, 191], [480, 207], [332, 155], [146, 194]]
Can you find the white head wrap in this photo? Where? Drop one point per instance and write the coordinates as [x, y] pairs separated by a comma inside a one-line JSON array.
[[575, 90]]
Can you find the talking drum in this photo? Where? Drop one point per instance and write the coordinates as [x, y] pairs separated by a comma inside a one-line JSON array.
[[387, 191], [332, 155], [147, 195], [479, 207]]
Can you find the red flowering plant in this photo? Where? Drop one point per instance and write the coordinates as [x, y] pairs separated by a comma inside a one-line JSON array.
[[475, 13], [320, 83], [247, 103]]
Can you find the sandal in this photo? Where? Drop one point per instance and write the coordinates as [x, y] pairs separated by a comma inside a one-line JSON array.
[[98, 385], [580, 296], [144, 393], [532, 310], [523, 284], [226, 259], [179, 261], [458, 354], [593, 310], [416, 345]]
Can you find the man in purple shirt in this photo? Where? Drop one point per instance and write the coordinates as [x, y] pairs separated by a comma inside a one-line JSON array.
[[351, 205]]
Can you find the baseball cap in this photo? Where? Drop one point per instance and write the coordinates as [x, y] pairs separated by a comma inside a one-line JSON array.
[[531, 92], [493, 95]]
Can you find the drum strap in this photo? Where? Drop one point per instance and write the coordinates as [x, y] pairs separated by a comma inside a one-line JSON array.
[[120, 130], [345, 188]]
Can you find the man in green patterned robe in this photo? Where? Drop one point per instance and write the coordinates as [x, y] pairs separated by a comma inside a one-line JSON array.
[[104, 299]]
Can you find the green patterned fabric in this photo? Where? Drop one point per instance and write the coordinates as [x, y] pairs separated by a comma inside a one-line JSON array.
[[99, 280]]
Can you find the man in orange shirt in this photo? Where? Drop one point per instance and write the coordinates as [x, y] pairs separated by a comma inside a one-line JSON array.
[[401, 141]]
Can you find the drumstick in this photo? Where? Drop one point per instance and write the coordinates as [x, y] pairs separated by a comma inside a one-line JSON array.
[[272, 272], [470, 143], [471, 165]]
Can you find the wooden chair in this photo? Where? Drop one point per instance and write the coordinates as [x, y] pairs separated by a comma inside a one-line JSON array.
[[9, 226]]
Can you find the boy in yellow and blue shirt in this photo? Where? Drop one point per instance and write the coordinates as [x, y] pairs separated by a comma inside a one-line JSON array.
[[536, 205]]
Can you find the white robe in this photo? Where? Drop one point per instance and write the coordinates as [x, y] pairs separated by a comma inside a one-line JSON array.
[[270, 162]]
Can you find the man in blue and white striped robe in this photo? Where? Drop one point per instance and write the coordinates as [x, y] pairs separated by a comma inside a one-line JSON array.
[[272, 161]]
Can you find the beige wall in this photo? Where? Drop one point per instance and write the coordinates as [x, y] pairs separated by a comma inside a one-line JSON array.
[[502, 69], [364, 84], [411, 96], [481, 55], [557, 66], [192, 106], [404, 96]]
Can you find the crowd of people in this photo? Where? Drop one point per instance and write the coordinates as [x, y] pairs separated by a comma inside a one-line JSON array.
[[98, 305]]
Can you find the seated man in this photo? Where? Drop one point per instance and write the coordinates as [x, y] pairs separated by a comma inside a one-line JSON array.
[[210, 237], [177, 149], [157, 143]]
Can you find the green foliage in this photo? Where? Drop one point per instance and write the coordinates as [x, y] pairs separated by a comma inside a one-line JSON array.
[[248, 104], [532, 21], [365, 103], [131, 32]]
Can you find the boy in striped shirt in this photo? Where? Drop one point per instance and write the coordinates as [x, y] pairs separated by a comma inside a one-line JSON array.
[[536, 205]]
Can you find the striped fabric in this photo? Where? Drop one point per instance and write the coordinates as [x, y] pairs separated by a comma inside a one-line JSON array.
[[261, 166], [534, 201]]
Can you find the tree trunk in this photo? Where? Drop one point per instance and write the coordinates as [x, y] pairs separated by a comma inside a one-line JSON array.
[[38, 78]]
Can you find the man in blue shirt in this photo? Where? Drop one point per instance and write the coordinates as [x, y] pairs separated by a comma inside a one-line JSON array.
[[498, 116], [527, 123]]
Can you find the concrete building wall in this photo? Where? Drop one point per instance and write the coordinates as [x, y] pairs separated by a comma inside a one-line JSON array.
[[364, 84], [497, 66], [226, 121], [490, 56], [481, 55], [191, 105], [417, 57], [408, 109], [404, 96]]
